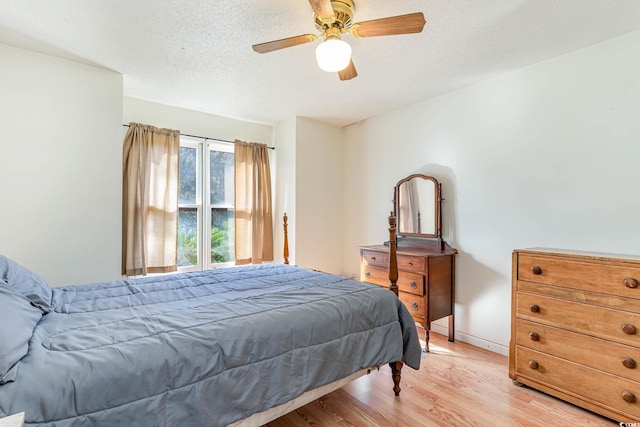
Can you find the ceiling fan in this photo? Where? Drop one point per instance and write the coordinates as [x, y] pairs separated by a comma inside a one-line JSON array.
[[334, 18]]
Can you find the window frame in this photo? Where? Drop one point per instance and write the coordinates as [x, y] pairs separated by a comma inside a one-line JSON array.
[[203, 206]]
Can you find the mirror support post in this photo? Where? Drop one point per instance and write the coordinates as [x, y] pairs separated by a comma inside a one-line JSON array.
[[439, 232]]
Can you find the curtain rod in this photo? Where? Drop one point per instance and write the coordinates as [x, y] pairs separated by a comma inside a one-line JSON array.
[[213, 139]]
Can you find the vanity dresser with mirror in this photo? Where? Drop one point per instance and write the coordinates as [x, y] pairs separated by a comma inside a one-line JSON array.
[[426, 263]]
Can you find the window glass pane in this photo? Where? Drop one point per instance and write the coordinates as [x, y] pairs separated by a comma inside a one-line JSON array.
[[205, 167], [221, 180], [222, 235], [187, 236], [188, 174]]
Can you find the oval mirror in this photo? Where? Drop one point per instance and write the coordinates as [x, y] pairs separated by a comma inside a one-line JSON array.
[[417, 206]]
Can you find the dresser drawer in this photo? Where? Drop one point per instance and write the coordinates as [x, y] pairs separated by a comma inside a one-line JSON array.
[[375, 275], [616, 325], [415, 305], [411, 263], [618, 359], [600, 388], [375, 258], [611, 277], [410, 282], [407, 282]]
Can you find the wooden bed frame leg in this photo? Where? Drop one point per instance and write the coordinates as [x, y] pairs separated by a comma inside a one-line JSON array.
[[285, 250], [396, 367], [393, 257]]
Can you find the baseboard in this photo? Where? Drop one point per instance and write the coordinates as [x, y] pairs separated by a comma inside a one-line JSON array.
[[470, 339]]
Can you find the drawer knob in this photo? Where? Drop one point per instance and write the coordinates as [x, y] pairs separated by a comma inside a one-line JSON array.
[[410, 262], [533, 364], [536, 269], [535, 308], [534, 336], [628, 329], [414, 305], [627, 396], [367, 274], [373, 258], [413, 284], [630, 283], [629, 363]]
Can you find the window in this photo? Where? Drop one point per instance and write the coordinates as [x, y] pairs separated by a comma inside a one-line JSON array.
[[206, 213]]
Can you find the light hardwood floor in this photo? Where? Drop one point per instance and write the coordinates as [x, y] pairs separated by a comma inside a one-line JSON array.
[[457, 385]]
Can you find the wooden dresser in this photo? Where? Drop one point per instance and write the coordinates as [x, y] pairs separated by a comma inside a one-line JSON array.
[[425, 280], [575, 330]]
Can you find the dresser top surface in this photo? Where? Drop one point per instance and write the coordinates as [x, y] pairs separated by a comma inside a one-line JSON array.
[[411, 250], [569, 253]]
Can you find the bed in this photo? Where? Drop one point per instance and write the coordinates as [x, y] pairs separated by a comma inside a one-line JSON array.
[[230, 346]]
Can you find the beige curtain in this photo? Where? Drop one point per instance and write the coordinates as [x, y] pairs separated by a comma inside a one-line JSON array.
[[254, 223], [150, 200]]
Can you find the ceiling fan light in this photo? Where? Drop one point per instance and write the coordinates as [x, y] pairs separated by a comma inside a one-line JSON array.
[[333, 55]]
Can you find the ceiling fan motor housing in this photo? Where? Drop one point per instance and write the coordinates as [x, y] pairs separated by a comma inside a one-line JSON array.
[[342, 16]]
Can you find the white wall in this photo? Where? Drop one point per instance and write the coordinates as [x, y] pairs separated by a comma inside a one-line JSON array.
[[309, 190], [285, 189], [318, 196], [543, 157], [194, 122], [60, 166]]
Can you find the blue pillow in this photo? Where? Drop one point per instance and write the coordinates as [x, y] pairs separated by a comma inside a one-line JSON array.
[[18, 318], [26, 283]]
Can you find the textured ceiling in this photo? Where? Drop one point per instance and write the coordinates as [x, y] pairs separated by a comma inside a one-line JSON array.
[[197, 54]]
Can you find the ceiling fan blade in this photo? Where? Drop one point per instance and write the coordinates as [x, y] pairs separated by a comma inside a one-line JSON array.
[[349, 72], [403, 24], [322, 9], [282, 43]]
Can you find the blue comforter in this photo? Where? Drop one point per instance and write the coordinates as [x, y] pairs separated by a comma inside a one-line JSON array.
[[203, 348]]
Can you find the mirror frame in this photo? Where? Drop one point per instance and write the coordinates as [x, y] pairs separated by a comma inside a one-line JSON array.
[[437, 197]]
